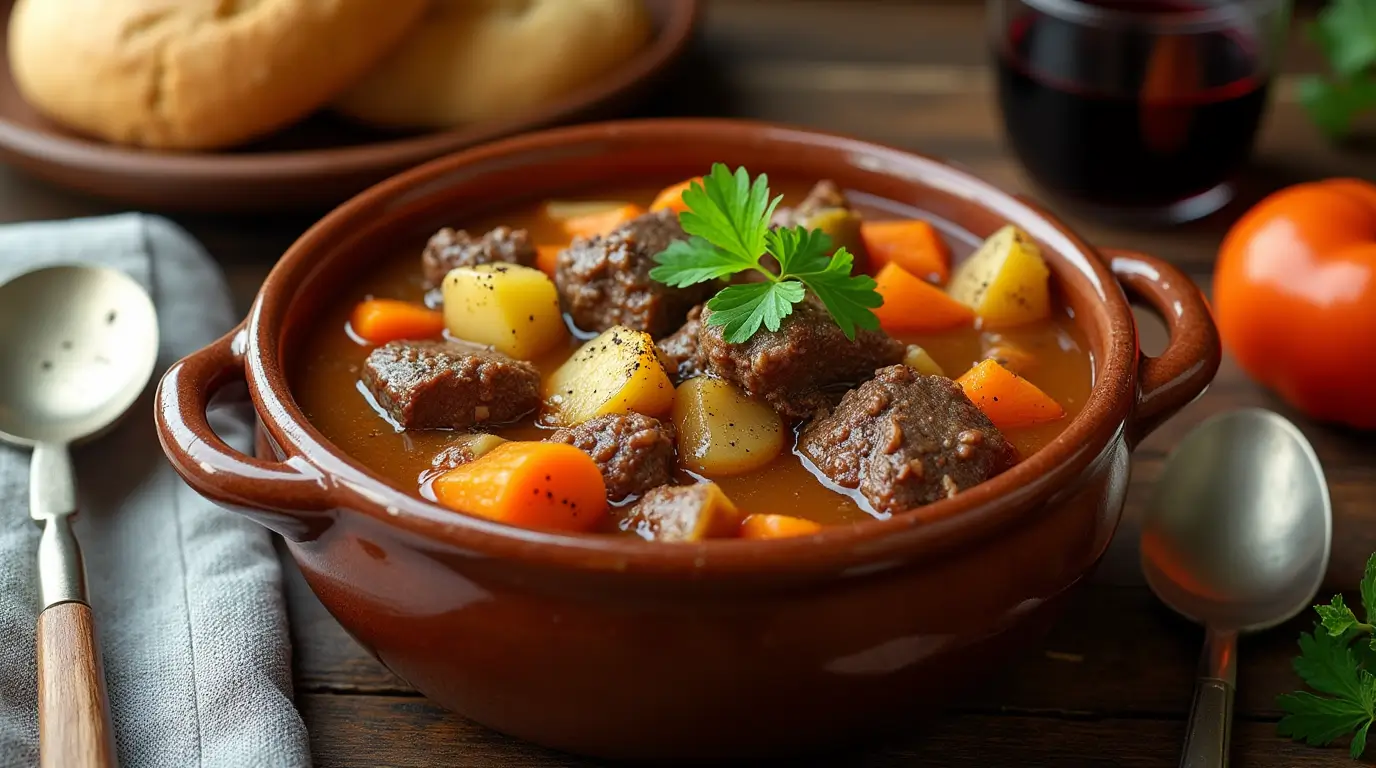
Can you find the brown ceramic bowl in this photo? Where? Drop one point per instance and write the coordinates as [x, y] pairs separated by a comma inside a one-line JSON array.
[[313, 165], [622, 648]]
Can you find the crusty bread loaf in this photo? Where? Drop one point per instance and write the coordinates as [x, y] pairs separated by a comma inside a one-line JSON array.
[[195, 74], [472, 60]]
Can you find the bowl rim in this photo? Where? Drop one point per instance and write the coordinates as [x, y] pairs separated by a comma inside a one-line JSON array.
[[863, 547]]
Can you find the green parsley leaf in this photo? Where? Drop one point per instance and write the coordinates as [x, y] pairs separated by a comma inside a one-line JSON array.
[[729, 217], [1319, 721], [1333, 105], [743, 308], [1346, 31], [1337, 618], [1369, 589], [1332, 662], [848, 298], [730, 212], [693, 261]]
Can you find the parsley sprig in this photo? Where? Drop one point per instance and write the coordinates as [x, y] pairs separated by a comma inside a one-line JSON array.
[[1336, 660], [1346, 32], [728, 219]]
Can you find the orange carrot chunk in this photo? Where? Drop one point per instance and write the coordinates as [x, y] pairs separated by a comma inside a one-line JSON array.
[[547, 258], [601, 223], [912, 244], [912, 304], [671, 199], [379, 321], [550, 486], [776, 527], [1006, 398]]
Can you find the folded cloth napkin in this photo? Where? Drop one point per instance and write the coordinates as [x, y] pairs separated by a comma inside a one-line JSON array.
[[187, 597]]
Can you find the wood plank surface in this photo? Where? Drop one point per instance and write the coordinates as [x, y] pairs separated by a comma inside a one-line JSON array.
[[1112, 684]]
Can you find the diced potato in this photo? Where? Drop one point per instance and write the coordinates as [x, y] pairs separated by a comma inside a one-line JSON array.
[[617, 372], [843, 226], [512, 308], [559, 210], [921, 360], [685, 513], [1006, 282], [723, 432]]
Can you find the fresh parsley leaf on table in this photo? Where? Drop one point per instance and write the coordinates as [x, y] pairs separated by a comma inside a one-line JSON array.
[[1346, 32], [728, 219], [1336, 660]]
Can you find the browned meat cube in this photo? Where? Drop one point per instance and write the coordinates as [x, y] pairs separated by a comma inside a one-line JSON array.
[[905, 440], [449, 385], [605, 280], [634, 452], [685, 513], [792, 368], [449, 248], [680, 348]]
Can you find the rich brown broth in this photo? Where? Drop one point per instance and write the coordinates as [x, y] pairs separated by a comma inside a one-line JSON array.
[[326, 377]]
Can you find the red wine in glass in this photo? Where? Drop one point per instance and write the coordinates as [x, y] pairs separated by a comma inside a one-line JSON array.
[[1136, 106]]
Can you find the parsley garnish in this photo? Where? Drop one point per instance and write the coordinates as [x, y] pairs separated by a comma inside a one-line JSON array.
[[728, 219], [1346, 32], [1336, 660]]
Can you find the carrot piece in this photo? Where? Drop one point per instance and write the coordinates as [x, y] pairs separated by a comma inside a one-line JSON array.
[[379, 321], [913, 304], [601, 223], [671, 198], [776, 527], [912, 244], [547, 258], [1006, 398], [552, 486]]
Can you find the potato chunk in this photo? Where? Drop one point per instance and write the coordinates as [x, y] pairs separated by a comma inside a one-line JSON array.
[[921, 360], [511, 308], [1006, 282], [617, 372], [685, 513], [723, 432]]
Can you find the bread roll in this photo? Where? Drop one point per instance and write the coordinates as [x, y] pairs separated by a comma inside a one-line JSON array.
[[195, 74], [472, 60]]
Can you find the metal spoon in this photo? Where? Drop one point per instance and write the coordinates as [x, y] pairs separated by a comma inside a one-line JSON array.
[[77, 347], [1237, 539]]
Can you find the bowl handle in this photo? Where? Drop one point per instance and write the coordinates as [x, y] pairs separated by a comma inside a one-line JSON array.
[[1180, 374], [288, 496]]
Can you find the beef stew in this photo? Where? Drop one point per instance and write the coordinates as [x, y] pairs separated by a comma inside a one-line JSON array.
[[790, 416]]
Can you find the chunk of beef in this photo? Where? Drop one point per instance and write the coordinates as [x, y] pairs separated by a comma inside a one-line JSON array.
[[823, 195], [450, 248], [684, 513], [905, 439], [465, 448], [605, 280], [792, 368], [449, 385], [680, 348], [634, 452]]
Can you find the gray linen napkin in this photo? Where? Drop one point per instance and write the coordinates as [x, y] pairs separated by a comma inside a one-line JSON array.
[[187, 597]]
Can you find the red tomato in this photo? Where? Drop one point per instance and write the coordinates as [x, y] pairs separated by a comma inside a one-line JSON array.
[[1295, 298]]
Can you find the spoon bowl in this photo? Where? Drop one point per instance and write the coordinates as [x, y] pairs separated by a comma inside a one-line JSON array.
[[1237, 539], [77, 347], [1238, 536]]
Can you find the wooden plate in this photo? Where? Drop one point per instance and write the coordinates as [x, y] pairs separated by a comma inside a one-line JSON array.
[[318, 162]]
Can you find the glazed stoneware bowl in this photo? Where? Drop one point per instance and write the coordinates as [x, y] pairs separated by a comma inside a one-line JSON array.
[[621, 648]]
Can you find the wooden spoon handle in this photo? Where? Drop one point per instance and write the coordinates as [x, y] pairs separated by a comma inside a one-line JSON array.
[[73, 714]]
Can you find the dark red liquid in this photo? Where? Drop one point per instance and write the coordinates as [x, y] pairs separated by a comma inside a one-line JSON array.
[[1126, 117]]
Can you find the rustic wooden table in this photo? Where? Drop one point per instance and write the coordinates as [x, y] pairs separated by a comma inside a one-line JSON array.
[[1112, 685]]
